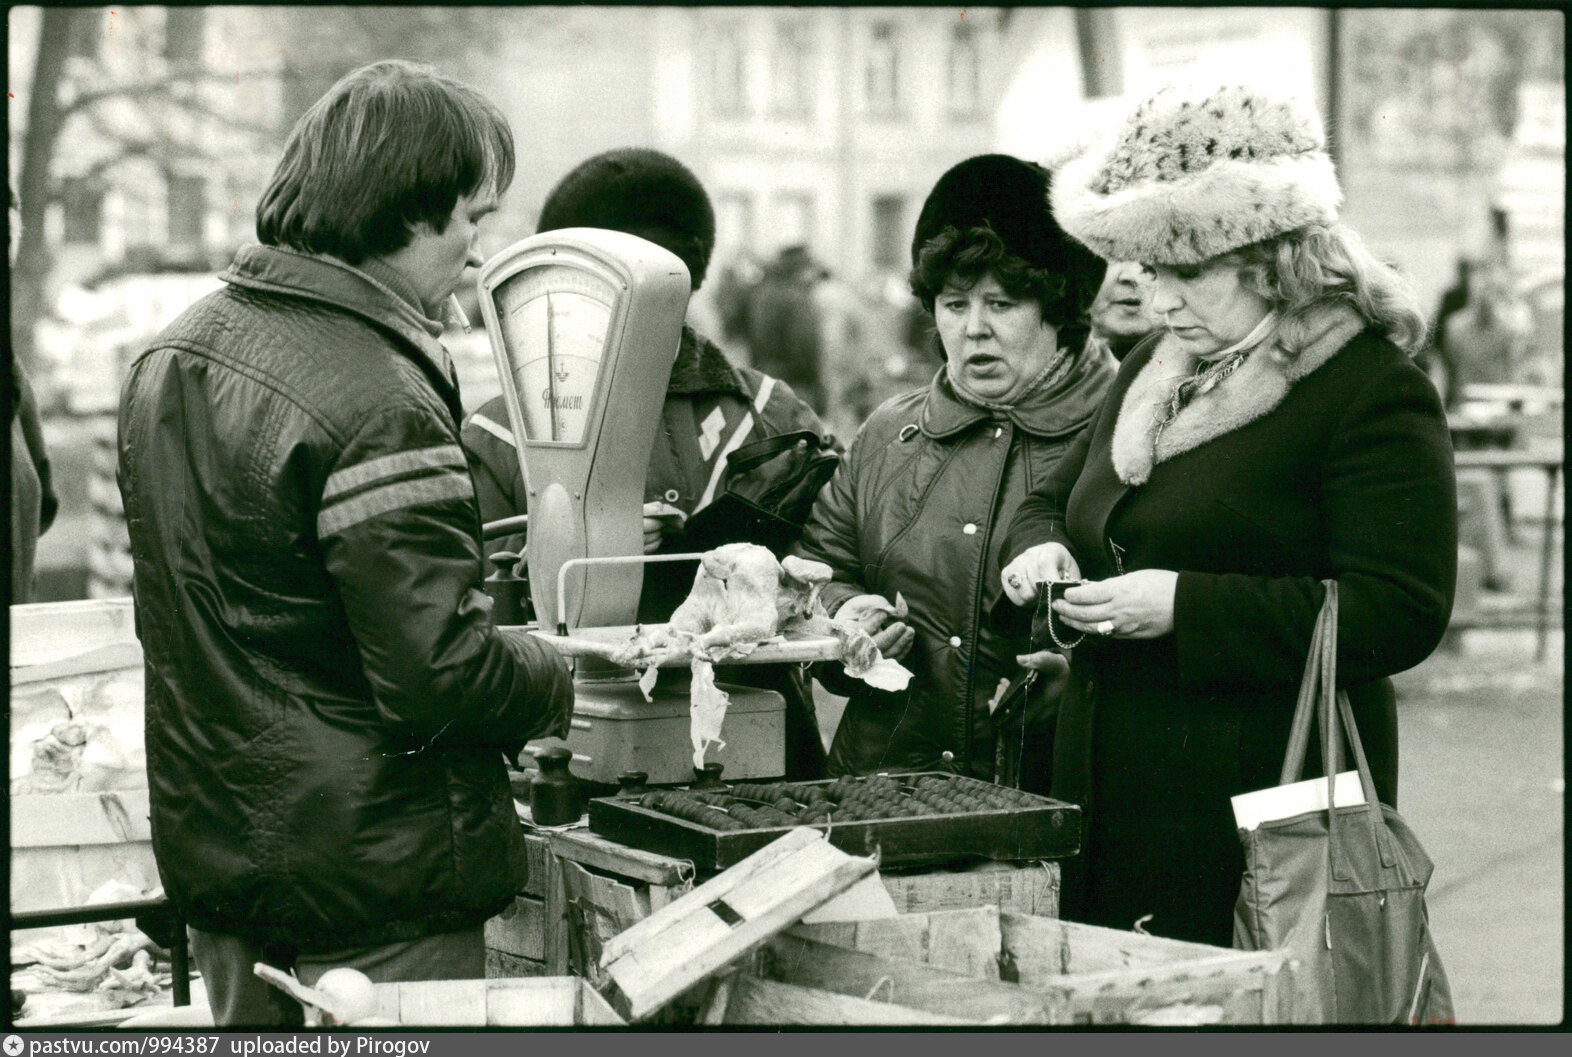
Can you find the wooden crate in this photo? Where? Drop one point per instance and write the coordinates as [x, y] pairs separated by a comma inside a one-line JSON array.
[[1007, 968]]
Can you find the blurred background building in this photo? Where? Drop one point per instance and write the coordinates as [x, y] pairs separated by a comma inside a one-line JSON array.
[[140, 138]]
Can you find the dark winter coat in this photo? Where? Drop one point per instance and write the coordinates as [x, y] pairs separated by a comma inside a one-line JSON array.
[[918, 509], [328, 703], [712, 408], [1337, 465]]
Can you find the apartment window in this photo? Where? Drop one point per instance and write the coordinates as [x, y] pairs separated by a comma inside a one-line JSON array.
[[729, 83], [183, 34], [82, 208], [793, 219], [187, 210], [887, 228], [791, 56], [881, 74], [734, 219], [963, 81]]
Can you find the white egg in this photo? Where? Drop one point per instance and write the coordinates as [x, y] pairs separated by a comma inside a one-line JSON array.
[[352, 993]]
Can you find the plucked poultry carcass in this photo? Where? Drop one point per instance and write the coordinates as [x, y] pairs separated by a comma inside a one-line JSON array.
[[743, 597]]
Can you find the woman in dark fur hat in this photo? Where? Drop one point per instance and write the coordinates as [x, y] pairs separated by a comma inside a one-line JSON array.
[[712, 405], [911, 517], [1273, 434]]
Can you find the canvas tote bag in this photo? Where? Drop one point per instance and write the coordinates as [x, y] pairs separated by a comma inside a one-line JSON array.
[[1341, 887]]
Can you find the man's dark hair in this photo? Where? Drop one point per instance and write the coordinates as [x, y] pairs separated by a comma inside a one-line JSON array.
[[968, 257], [391, 145]]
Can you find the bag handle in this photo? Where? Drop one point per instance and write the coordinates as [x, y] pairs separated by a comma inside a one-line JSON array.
[[1337, 723], [1305, 709], [762, 451]]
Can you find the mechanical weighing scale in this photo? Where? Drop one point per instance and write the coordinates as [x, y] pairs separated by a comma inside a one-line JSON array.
[[585, 325]]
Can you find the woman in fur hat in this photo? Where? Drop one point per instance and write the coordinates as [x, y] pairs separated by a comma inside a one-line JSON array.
[[712, 406], [1272, 434], [914, 513]]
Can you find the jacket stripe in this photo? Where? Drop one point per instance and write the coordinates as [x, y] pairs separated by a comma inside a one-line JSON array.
[[762, 397], [396, 496], [720, 460], [504, 435], [443, 457]]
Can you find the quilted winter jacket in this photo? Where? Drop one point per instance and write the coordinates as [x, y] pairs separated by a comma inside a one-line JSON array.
[[918, 508], [327, 700]]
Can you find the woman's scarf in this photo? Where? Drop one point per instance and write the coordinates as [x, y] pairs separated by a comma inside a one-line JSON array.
[[1211, 369]]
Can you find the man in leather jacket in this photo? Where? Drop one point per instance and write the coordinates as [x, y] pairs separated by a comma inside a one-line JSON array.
[[328, 701]]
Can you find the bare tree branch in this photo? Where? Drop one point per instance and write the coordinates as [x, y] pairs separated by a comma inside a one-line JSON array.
[[182, 75]]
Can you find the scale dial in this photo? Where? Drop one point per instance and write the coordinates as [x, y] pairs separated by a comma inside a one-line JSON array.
[[553, 321]]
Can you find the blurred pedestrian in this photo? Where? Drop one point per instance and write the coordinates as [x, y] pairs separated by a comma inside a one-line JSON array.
[[712, 407], [1274, 436], [1122, 314], [1485, 339], [328, 702], [33, 501], [916, 509], [783, 325]]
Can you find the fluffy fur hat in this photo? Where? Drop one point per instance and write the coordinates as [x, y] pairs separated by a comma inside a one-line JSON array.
[[640, 192], [1192, 175], [1010, 196]]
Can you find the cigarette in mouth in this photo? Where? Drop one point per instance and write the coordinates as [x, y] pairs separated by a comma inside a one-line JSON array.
[[458, 312]]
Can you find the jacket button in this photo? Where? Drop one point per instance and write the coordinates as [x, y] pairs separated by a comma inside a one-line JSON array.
[[672, 495], [947, 756], [955, 640], [969, 528]]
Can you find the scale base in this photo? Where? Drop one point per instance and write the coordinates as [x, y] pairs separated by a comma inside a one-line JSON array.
[[615, 730]]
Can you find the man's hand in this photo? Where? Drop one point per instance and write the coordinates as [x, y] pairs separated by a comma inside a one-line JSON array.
[[1138, 605], [1044, 562], [895, 641], [660, 519]]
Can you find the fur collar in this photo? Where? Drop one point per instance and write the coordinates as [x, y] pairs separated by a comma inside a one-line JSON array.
[[1253, 390], [701, 367]]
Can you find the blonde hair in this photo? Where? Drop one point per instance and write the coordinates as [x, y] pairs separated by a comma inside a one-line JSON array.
[[1304, 269]]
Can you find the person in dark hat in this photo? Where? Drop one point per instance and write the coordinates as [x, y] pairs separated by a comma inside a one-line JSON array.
[[712, 405], [909, 522]]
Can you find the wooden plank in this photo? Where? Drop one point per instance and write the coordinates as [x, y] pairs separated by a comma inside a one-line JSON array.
[[548, 1001], [441, 1003], [520, 929], [501, 966], [794, 960], [1045, 948], [705, 930], [963, 941], [866, 900], [591, 849], [767, 860], [1029, 888], [51, 631], [754, 1001], [108, 658], [593, 1011], [538, 858], [56, 820]]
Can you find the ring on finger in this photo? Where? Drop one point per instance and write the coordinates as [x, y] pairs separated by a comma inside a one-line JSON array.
[[1015, 580], [1105, 628]]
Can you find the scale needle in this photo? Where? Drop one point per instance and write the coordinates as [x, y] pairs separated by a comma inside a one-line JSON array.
[[551, 366]]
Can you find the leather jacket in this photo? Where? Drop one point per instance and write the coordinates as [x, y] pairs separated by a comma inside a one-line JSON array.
[[328, 703]]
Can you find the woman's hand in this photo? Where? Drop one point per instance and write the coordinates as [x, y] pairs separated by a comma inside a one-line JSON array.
[[660, 519], [881, 620], [1138, 605], [1046, 561]]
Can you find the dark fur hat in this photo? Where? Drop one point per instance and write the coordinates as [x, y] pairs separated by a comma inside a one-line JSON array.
[[1010, 196], [640, 192]]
